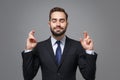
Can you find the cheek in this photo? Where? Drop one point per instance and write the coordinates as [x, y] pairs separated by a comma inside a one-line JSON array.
[[64, 25], [52, 26]]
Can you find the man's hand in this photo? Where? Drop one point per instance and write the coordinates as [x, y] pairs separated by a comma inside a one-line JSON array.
[[31, 41], [86, 42]]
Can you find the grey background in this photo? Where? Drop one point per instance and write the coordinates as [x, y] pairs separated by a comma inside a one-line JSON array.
[[100, 18]]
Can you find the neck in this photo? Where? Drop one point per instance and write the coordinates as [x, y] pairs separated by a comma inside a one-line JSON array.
[[58, 37]]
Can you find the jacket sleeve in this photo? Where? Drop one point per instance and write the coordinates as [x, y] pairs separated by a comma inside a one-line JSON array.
[[87, 64], [30, 64]]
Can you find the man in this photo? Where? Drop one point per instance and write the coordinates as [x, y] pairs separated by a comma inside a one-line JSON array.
[[59, 55]]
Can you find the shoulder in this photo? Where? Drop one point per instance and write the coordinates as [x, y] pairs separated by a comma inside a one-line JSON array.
[[44, 43], [73, 42]]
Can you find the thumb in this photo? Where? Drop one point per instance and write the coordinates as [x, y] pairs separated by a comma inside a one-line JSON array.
[[81, 39]]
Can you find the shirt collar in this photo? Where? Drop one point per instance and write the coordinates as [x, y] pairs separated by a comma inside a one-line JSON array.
[[53, 40]]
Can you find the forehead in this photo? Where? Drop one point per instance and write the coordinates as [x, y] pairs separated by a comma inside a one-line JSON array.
[[58, 15]]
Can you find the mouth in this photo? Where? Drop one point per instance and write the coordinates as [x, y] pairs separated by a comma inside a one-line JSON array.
[[58, 27]]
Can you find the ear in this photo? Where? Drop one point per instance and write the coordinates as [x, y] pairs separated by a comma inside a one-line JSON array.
[[67, 23], [49, 23]]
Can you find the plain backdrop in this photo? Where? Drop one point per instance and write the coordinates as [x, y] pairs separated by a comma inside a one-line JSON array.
[[100, 18]]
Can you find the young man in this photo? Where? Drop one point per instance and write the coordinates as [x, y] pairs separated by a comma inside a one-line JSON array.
[[59, 56]]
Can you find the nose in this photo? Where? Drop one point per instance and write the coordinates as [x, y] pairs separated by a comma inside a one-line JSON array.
[[58, 23]]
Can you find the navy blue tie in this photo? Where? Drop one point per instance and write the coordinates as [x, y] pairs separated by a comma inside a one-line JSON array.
[[58, 53]]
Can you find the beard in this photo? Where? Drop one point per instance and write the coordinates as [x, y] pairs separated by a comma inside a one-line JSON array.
[[58, 33]]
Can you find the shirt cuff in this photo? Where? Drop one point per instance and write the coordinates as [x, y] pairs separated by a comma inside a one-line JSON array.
[[91, 52], [26, 51]]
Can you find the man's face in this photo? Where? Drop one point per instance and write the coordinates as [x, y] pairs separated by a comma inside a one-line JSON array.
[[58, 23]]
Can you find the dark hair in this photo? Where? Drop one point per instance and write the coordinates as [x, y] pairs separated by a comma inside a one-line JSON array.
[[59, 10]]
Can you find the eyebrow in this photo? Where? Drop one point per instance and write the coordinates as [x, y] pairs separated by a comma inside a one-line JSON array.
[[59, 19], [53, 19]]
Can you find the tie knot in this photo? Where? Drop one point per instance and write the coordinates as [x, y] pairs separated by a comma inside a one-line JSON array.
[[58, 42]]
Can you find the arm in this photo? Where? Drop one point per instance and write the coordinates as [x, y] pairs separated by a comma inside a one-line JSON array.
[[30, 59], [87, 62], [30, 65], [87, 65]]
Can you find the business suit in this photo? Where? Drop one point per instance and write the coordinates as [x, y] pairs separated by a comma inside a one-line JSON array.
[[73, 55]]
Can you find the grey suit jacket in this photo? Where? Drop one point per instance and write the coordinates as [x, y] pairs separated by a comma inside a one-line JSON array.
[[73, 55]]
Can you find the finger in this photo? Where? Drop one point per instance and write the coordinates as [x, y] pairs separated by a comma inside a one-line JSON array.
[[31, 36], [88, 41], [31, 33], [85, 35], [33, 40]]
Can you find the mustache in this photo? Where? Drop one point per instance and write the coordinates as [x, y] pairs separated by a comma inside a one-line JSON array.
[[58, 27]]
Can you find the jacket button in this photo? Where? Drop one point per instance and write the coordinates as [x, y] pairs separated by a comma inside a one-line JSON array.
[[58, 74]]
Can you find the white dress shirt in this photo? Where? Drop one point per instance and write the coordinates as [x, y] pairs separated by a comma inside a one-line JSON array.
[[54, 45]]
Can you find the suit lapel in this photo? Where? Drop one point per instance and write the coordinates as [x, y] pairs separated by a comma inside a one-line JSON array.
[[66, 49], [50, 49]]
